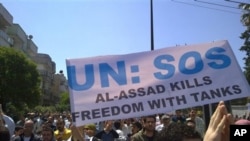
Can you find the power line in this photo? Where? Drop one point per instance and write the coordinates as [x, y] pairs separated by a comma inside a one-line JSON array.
[[237, 2], [217, 4], [205, 7]]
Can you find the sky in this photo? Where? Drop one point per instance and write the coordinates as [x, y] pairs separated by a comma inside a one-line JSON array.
[[66, 29]]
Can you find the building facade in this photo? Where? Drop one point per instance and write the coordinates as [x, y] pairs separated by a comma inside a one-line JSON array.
[[12, 35]]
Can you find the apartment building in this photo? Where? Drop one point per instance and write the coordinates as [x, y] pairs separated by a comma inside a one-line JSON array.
[[12, 35]]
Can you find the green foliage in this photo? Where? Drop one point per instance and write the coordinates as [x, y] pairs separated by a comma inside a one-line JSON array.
[[64, 103], [245, 19], [19, 80]]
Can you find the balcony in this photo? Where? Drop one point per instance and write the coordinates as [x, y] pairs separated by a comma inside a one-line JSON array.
[[17, 33], [6, 18], [6, 37]]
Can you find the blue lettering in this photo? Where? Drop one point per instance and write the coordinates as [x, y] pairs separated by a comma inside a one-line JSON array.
[[197, 62], [106, 70], [158, 63], [212, 54], [89, 73]]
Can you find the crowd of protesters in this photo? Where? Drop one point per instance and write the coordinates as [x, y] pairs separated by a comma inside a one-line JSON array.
[[162, 127]]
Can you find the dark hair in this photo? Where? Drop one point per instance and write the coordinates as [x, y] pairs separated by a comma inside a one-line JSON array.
[[177, 132], [4, 135], [117, 124], [150, 116], [137, 124]]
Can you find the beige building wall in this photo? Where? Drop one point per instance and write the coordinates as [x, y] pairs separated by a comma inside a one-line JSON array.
[[12, 35]]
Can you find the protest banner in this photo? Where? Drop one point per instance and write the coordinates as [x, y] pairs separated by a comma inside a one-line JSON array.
[[151, 82]]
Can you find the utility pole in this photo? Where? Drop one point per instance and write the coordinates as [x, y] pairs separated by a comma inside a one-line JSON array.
[[152, 24]]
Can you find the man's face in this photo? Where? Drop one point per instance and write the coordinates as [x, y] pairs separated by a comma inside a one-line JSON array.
[[47, 135], [149, 124], [135, 129], [166, 121], [192, 113], [60, 125]]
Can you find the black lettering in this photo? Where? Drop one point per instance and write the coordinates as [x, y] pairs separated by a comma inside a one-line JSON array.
[[237, 89], [183, 85], [115, 110], [137, 107], [105, 112], [160, 89], [195, 95], [182, 98], [96, 113], [126, 108], [207, 80], [170, 99], [141, 92], [123, 95], [131, 93], [107, 97], [215, 93], [189, 85], [226, 91], [174, 86], [74, 116], [204, 96], [154, 104], [196, 83], [99, 98], [85, 115], [150, 91]]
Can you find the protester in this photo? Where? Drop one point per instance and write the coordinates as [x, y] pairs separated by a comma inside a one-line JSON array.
[[199, 122], [47, 134], [28, 133], [118, 129], [108, 133], [18, 131], [136, 127], [91, 131], [8, 121], [62, 133], [148, 133], [178, 117], [4, 132], [165, 121]]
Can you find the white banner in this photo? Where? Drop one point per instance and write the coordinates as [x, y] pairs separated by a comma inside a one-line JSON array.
[[159, 81]]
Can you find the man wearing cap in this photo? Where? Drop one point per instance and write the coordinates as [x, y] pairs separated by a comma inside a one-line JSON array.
[[91, 131], [165, 121]]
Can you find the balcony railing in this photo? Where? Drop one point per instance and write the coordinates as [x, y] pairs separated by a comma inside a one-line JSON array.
[[6, 37]]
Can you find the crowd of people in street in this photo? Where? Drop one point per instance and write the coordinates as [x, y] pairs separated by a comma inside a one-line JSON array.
[[176, 127]]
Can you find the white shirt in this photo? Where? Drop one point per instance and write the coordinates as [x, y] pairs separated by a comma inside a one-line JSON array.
[[10, 124]]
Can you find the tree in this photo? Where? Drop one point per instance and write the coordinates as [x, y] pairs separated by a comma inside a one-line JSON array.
[[245, 19], [19, 80], [64, 103]]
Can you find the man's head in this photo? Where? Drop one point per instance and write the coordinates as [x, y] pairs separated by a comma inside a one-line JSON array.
[[165, 120], [193, 112], [47, 134], [149, 123], [60, 124], [136, 127], [28, 127], [90, 129]]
